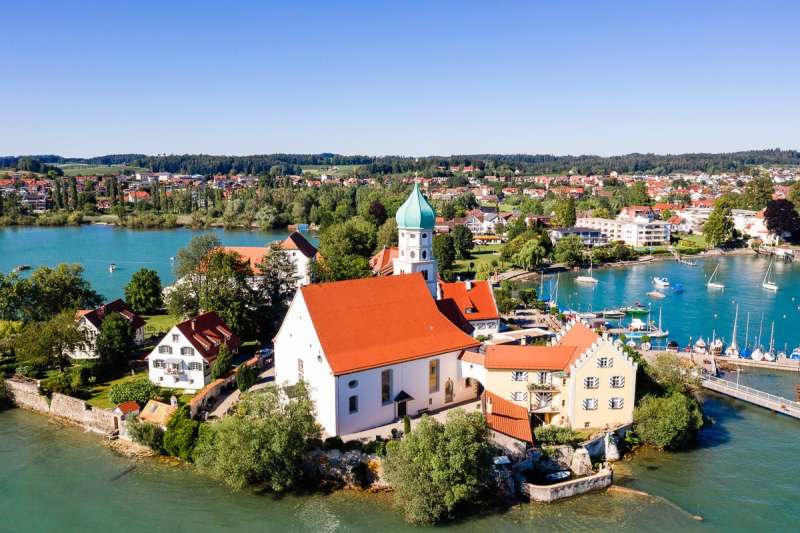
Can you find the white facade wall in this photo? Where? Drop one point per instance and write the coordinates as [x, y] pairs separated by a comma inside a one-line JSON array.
[[415, 254], [302, 266], [297, 341], [631, 232], [89, 349], [172, 369], [486, 328], [411, 377]]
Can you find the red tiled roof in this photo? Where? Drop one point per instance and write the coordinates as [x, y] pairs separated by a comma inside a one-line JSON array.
[[472, 357], [96, 316], [475, 303], [128, 407], [253, 255], [382, 263], [506, 417], [578, 335], [206, 333], [373, 322], [515, 357], [296, 241]]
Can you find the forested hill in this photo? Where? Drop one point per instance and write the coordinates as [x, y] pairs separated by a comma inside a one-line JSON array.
[[431, 165]]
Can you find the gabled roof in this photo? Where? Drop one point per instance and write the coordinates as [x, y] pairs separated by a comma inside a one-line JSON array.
[[128, 407], [579, 335], [296, 241], [96, 316], [374, 322], [206, 333], [157, 413], [473, 299], [253, 255], [516, 357], [506, 417], [382, 263]]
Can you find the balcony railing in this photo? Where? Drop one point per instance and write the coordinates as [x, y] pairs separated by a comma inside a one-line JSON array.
[[541, 387]]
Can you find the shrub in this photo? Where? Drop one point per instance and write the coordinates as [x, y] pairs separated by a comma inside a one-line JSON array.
[[147, 434], [67, 383], [181, 435], [332, 443], [375, 447], [314, 444], [406, 425], [245, 377], [556, 435], [222, 363], [140, 391], [671, 422], [353, 445]]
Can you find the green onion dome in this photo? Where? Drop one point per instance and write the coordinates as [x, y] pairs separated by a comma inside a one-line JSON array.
[[416, 212]]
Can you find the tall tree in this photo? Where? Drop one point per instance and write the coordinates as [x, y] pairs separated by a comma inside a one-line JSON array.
[[782, 219], [444, 251], [115, 340], [462, 240], [73, 193], [143, 291], [49, 291], [565, 214], [719, 228], [758, 192], [47, 344], [276, 288]]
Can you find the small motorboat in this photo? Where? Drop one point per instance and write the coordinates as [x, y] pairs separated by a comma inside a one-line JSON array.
[[112, 267], [20, 268], [558, 476], [678, 287], [757, 355], [661, 282], [613, 313], [637, 324], [716, 347], [636, 309], [672, 346], [795, 355], [656, 294], [700, 346]]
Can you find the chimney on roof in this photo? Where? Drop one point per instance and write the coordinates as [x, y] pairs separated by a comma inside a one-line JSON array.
[[438, 291], [468, 284], [488, 405], [194, 324]]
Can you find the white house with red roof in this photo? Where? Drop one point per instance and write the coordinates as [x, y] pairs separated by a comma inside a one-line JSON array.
[[91, 320], [471, 302], [302, 253], [183, 358]]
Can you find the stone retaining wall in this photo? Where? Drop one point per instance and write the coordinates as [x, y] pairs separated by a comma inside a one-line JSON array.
[[25, 393], [568, 489]]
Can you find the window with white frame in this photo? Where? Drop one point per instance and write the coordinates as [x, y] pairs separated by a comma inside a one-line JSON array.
[[186, 350], [195, 366], [615, 403], [158, 363], [519, 375], [591, 382], [605, 362], [589, 404], [543, 378], [165, 349], [617, 382], [175, 337], [519, 396]]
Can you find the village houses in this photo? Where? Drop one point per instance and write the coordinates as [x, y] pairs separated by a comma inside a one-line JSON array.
[[91, 320]]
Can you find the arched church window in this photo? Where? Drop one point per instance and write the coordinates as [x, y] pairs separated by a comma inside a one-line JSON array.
[[412, 254], [424, 254], [424, 235], [425, 275]]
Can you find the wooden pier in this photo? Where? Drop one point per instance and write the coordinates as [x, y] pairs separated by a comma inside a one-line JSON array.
[[769, 401], [781, 364]]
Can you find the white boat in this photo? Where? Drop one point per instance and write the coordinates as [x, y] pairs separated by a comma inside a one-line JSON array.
[[769, 355], [716, 347], [112, 267], [631, 344], [656, 294], [757, 355], [589, 278], [712, 281], [733, 350], [795, 355], [768, 283], [661, 282], [638, 324], [700, 346]]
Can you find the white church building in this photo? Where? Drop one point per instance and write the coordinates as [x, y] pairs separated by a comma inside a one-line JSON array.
[[374, 350]]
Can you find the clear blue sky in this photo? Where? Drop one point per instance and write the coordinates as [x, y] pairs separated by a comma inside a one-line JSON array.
[[403, 77]]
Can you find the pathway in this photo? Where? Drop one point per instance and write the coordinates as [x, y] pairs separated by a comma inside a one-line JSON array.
[[753, 396]]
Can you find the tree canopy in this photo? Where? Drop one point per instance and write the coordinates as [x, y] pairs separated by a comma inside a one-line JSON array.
[[143, 291]]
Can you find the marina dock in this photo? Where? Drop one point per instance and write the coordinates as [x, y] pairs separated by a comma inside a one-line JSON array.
[[753, 396], [794, 366]]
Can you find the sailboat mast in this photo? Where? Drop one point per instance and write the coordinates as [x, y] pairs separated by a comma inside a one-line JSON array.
[[747, 332], [735, 321], [772, 338], [760, 329]]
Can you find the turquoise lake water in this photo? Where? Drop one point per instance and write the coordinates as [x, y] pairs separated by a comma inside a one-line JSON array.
[[95, 247], [741, 477]]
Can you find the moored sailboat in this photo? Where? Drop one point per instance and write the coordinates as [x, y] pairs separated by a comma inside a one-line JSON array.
[[768, 283], [712, 281], [733, 350], [589, 278]]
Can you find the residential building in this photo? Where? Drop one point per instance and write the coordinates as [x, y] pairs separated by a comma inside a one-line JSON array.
[[639, 231], [91, 320], [158, 413], [302, 253], [509, 424], [581, 380], [471, 305], [183, 358], [588, 236]]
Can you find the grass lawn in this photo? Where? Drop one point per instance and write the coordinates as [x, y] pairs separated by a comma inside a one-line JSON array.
[[693, 240], [77, 169], [159, 323], [480, 255], [338, 170], [99, 396]]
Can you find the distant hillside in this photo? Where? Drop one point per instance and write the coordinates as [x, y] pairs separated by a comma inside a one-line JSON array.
[[278, 164]]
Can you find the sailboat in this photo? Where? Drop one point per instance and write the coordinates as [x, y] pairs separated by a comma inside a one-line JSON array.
[[716, 344], [733, 350], [589, 278], [770, 354], [758, 353], [661, 282], [768, 283], [712, 281]]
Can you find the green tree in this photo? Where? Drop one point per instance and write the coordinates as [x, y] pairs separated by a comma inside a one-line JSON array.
[[794, 194], [444, 251], [636, 194], [758, 192], [115, 340], [143, 291], [565, 215], [719, 229], [387, 234], [531, 255], [463, 241], [180, 437], [276, 288], [189, 258], [140, 390], [50, 291], [146, 434], [222, 363], [47, 344], [569, 251], [346, 248], [673, 373], [671, 422], [439, 467], [245, 377], [263, 441], [782, 219]]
